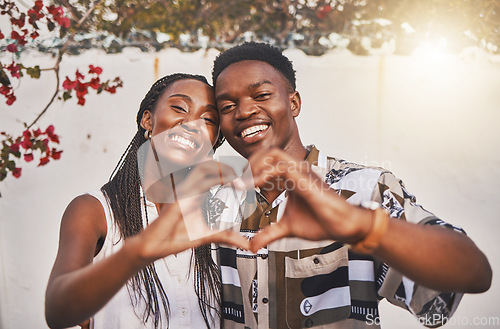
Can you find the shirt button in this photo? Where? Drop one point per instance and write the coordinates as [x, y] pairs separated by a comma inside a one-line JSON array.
[[316, 260], [183, 311], [268, 213], [265, 300], [263, 256]]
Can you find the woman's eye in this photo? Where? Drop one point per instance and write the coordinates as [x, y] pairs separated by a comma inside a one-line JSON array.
[[178, 108], [210, 121]]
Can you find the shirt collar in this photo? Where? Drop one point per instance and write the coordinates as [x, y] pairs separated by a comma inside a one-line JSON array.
[[312, 155], [315, 157]]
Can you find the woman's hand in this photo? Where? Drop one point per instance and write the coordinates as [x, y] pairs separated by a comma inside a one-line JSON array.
[[78, 288], [182, 225]]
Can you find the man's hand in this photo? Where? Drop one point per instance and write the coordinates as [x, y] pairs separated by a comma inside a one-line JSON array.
[[313, 211]]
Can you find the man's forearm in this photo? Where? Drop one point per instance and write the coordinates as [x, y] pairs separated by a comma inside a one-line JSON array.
[[435, 257]]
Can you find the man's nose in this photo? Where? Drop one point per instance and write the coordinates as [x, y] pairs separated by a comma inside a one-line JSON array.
[[246, 109]]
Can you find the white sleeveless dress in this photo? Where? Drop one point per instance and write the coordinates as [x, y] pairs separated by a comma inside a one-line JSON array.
[[176, 277]]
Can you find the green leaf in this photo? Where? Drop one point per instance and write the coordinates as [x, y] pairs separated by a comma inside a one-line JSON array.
[[33, 72], [11, 165], [4, 78], [39, 145], [66, 95], [3, 174], [51, 26]]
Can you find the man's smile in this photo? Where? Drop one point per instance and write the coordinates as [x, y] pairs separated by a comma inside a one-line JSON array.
[[253, 130]]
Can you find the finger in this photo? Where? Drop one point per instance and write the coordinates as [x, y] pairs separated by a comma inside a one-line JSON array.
[[285, 175], [214, 172], [274, 164], [85, 324], [203, 177], [227, 237], [235, 239], [268, 235]]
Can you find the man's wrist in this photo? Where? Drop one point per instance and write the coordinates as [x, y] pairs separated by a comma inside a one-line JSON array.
[[378, 227]]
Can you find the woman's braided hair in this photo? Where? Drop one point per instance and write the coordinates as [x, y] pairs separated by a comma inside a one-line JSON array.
[[123, 192]]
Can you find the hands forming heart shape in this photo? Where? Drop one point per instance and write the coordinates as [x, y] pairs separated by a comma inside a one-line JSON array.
[[313, 210]]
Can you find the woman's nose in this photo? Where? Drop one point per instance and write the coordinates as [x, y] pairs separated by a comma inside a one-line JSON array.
[[191, 125]]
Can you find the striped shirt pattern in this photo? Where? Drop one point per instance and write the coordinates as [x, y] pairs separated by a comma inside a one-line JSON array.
[[295, 283]]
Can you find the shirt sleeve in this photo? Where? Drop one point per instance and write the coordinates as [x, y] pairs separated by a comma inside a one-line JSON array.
[[432, 308]]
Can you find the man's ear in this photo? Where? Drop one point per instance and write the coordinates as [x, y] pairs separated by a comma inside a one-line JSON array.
[[146, 121], [296, 103]]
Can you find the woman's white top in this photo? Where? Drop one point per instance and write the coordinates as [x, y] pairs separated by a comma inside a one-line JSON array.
[[176, 273]]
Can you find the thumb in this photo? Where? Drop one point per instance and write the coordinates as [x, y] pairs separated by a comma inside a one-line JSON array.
[[268, 235], [85, 324], [227, 237]]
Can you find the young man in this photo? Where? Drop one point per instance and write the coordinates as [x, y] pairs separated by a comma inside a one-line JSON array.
[[330, 238]]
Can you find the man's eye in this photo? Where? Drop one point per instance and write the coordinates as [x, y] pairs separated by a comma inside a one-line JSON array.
[[262, 96], [227, 108]]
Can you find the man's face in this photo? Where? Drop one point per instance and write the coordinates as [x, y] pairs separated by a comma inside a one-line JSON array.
[[257, 107]]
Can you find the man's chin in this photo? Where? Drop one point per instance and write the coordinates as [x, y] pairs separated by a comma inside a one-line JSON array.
[[246, 151]]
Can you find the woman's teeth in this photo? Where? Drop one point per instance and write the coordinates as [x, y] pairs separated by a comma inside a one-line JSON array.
[[183, 141], [253, 130]]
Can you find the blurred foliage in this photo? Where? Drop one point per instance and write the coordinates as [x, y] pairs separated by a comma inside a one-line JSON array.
[[303, 22]]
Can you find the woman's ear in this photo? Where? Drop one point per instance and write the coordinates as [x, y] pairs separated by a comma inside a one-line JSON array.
[[295, 103], [146, 121]]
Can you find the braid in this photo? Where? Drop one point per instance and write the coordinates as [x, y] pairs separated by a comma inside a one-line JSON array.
[[208, 284], [123, 193], [123, 190], [208, 281]]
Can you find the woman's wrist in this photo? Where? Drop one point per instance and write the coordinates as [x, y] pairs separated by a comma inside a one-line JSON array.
[[135, 252]]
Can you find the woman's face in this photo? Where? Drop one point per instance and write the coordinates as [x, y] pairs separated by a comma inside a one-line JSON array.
[[185, 123]]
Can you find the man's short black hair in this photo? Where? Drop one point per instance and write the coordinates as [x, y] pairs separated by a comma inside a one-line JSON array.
[[254, 51]]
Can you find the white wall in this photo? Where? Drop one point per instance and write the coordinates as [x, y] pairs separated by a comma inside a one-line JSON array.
[[432, 123]]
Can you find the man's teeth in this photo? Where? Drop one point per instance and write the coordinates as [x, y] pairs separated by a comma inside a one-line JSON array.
[[184, 141], [252, 130]]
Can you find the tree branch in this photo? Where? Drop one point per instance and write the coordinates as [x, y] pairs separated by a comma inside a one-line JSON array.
[[59, 59]]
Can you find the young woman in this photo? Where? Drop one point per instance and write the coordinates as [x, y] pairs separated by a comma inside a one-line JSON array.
[[127, 262]]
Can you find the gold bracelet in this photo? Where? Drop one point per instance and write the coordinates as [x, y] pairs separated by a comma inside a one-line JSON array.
[[378, 227]]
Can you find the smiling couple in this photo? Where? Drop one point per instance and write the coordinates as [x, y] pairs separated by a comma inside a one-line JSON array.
[[316, 241]]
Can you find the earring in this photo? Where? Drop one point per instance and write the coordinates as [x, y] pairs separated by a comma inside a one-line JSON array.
[[147, 134]]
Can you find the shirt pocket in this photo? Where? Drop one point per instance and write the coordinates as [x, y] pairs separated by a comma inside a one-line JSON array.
[[317, 289]]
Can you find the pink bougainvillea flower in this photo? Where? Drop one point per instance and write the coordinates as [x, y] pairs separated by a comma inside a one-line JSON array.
[[95, 83], [56, 155], [28, 157], [17, 172], [14, 147], [95, 69], [11, 99], [12, 48], [44, 161], [69, 85], [26, 144]]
